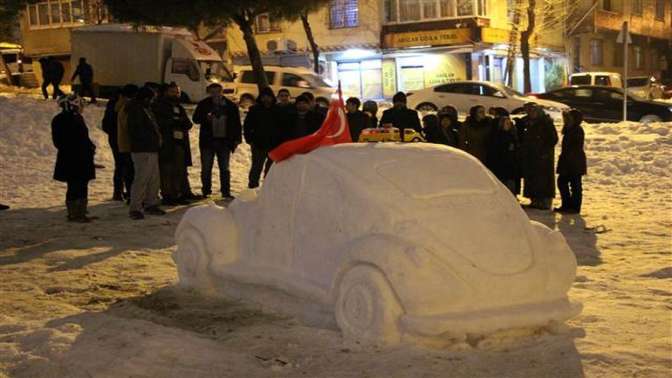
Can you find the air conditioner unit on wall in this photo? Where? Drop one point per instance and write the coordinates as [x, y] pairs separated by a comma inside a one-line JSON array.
[[281, 46]]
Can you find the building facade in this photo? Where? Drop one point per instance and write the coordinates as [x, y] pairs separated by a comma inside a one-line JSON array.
[[592, 42]]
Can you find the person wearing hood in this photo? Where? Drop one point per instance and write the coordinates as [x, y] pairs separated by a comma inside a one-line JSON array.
[[219, 136], [400, 116], [74, 160], [174, 125], [475, 134], [537, 146], [145, 139], [572, 163], [261, 131]]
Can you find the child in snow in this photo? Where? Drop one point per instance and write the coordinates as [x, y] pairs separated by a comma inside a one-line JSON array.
[[572, 163], [74, 161]]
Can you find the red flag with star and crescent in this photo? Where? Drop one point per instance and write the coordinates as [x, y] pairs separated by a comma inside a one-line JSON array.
[[334, 130]]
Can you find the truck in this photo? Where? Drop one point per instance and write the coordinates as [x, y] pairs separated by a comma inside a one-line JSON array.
[[122, 54]]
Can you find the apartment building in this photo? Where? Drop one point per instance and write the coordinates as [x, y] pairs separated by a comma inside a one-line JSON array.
[[592, 44]]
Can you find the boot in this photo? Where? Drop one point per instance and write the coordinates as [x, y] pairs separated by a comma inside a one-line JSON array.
[[86, 209], [70, 206], [79, 212]]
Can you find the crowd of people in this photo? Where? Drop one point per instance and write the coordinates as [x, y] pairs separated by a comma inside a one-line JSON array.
[[149, 129]]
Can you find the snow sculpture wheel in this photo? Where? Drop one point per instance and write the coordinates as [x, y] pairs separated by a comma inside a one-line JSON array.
[[192, 260], [367, 308]]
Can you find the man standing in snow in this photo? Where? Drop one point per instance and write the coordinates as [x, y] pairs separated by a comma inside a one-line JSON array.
[[74, 160], [52, 74], [220, 135], [128, 93], [571, 163], [174, 125], [537, 146], [300, 120], [400, 116], [357, 119], [85, 73], [262, 134], [145, 141]]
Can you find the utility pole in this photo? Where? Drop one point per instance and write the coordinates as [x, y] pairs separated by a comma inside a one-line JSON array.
[[624, 38]]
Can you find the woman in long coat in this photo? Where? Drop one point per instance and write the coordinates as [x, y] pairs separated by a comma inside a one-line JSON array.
[[571, 163], [74, 160]]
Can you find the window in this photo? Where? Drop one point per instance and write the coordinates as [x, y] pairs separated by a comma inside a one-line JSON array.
[[343, 14], [264, 24], [637, 54], [637, 7], [603, 80], [55, 13], [580, 80], [416, 10], [248, 77], [596, 52], [187, 67], [612, 5], [660, 10], [291, 80]]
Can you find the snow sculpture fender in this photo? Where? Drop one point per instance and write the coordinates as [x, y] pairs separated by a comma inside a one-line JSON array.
[[207, 238]]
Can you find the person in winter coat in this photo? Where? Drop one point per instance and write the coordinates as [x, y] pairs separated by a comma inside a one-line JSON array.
[[85, 73], [74, 160], [503, 154], [220, 135], [262, 133], [110, 128], [357, 119], [572, 163], [284, 97], [52, 74], [174, 125], [145, 139], [301, 120], [370, 107], [454, 116], [400, 116], [123, 144], [439, 129], [475, 134], [537, 146]]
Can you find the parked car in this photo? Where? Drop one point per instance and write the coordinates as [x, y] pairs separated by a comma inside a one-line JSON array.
[[389, 134], [606, 79], [465, 94], [645, 87], [667, 88], [295, 79], [605, 104], [390, 248]]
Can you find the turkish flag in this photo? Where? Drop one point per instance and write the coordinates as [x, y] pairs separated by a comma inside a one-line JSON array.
[[334, 130]]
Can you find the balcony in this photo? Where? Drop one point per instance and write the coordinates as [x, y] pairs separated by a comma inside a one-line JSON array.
[[645, 25], [420, 11]]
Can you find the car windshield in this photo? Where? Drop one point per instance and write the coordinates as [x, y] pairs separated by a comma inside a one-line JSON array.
[[509, 91], [638, 82], [215, 71], [449, 175], [580, 80], [315, 81]]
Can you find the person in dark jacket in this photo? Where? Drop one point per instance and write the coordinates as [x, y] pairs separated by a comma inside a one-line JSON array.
[[145, 140], [174, 125], [110, 128], [439, 129], [357, 119], [503, 154], [85, 73], [572, 163], [74, 160], [284, 98], [537, 146], [370, 107], [262, 133], [220, 135], [300, 120], [475, 134], [400, 116], [52, 74]]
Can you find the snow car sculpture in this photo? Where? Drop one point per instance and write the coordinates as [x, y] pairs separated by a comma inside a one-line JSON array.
[[398, 239]]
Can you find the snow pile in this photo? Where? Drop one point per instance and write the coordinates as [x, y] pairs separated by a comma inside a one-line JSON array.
[[27, 154]]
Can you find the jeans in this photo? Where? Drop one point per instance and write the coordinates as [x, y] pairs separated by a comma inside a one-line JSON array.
[[571, 191], [260, 161], [145, 189], [223, 153], [55, 85], [87, 88], [77, 190]]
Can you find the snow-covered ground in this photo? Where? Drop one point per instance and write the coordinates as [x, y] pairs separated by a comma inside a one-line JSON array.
[[99, 299]]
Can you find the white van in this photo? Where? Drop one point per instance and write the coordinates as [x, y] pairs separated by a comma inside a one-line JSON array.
[[295, 79], [606, 79]]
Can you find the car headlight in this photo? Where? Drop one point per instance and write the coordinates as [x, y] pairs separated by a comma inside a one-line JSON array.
[[670, 108]]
